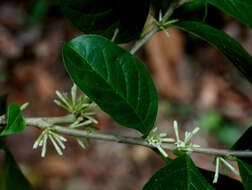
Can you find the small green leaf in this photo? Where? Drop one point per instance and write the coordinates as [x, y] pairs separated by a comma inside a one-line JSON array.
[[246, 174], [16, 122], [12, 177], [223, 42], [103, 17], [181, 173], [239, 9], [114, 79]]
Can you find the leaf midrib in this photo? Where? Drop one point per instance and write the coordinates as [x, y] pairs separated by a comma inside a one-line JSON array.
[[107, 82]]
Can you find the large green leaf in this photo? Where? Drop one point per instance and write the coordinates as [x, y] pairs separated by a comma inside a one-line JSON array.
[[103, 17], [244, 143], [180, 174], [194, 10], [245, 167], [15, 123], [239, 9], [12, 177], [223, 42], [246, 174], [224, 182], [114, 79], [162, 5]]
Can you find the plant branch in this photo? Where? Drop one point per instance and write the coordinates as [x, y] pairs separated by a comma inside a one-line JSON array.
[[45, 122], [156, 28]]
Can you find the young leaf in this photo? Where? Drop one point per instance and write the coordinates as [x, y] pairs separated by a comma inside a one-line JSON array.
[[11, 175], [181, 173], [246, 174], [104, 17], [15, 123], [223, 42], [239, 9], [114, 79]]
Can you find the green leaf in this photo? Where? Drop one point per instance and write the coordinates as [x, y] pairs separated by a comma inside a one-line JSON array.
[[246, 174], [224, 182], [103, 17], [16, 122], [194, 10], [114, 79], [11, 175], [239, 9], [181, 173], [162, 5], [223, 42], [244, 143], [37, 11]]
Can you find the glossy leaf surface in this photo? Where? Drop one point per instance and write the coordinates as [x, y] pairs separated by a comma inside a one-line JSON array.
[[223, 42], [16, 122], [114, 79], [244, 143], [246, 174], [103, 17], [239, 9], [11, 175], [181, 173], [224, 182]]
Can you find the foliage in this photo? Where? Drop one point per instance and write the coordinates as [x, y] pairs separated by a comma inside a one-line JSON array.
[[103, 17], [15, 123], [11, 177], [114, 79], [182, 174], [121, 86]]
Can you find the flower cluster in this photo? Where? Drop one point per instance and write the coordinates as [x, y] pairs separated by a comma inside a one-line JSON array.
[[157, 140], [80, 107], [183, 145], [56, 139]]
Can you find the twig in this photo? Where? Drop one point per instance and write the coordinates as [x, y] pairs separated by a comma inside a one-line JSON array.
[[156, 28], [45, 122]]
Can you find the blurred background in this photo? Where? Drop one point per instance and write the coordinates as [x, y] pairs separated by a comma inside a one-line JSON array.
[[196, 84]]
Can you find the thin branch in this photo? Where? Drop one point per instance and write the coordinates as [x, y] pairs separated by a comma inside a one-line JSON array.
[[141, 42], [156, 28], [45, 122]]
